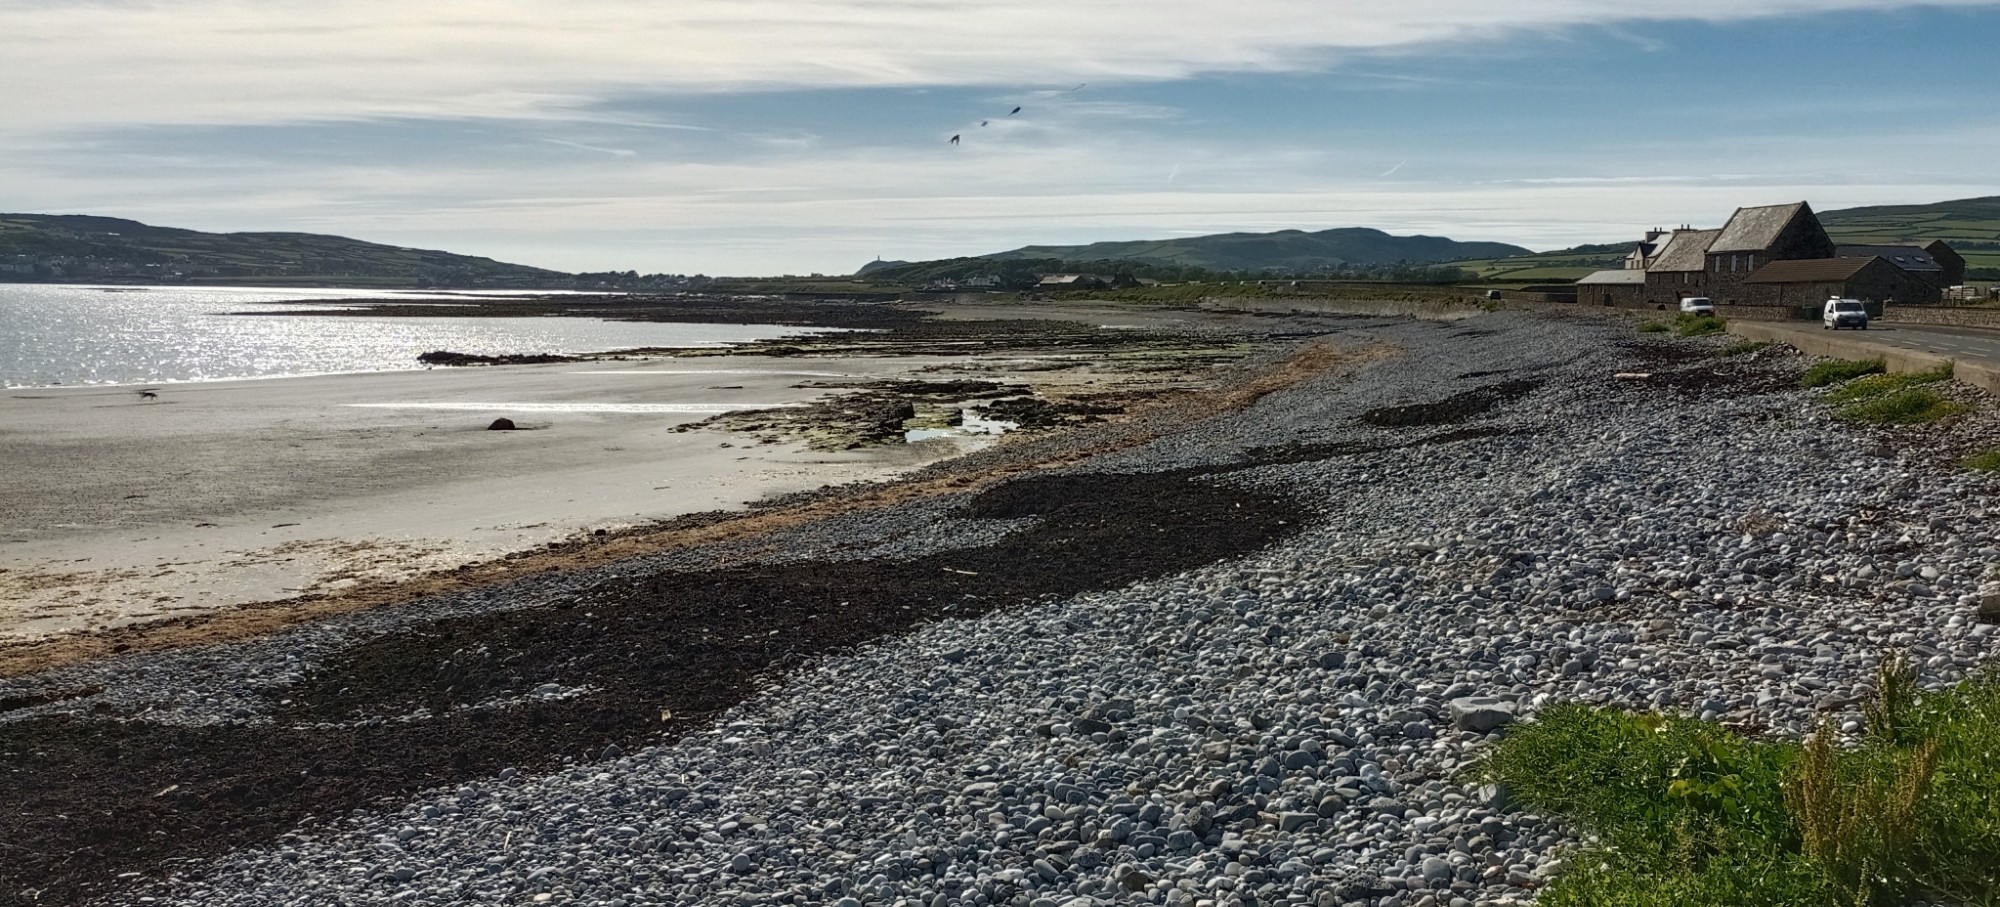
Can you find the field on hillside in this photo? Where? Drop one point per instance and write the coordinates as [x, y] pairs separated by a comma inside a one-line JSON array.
[[1546, 267], [1971, 226]]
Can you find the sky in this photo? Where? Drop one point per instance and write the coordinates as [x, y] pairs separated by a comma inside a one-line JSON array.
[[751, 137]]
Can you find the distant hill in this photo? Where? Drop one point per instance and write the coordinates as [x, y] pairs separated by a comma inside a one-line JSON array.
[[878, 265], [1965, 219], [68, 246], [1292, 251]]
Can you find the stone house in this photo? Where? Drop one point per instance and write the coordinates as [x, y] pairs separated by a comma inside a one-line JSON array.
[[1948, 259], [1809, 282], [1622, 287], [1680, 269], [1755, 237], [1723, 265], [1913, 259]]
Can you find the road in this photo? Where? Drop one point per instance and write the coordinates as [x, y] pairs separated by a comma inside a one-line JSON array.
[[1961, 344]]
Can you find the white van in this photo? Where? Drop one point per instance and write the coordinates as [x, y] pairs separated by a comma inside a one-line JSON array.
[[1697, 305], [1844, 313]]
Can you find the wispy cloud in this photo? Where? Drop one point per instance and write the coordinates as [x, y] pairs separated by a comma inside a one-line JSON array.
[[72, 63], [614, 152]]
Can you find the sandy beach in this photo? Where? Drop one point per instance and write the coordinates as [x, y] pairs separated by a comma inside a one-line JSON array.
[[117, 508]]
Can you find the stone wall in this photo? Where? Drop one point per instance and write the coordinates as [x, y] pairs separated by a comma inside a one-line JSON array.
[[1757, 313], [1956, 316]]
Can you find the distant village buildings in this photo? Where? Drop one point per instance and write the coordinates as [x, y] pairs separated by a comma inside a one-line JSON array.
[[1774, 255]]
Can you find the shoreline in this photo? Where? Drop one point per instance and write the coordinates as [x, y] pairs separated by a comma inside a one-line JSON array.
[[222, 494]]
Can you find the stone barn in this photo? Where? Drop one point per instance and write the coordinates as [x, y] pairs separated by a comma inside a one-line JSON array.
[[1624, 287], [1811, 282]]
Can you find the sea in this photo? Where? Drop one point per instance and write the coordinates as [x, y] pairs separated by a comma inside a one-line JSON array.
[[62, 335]]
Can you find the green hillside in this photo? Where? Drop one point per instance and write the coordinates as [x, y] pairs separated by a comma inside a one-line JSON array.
[[1970, 225], [76, 246], [1288, 251], [1560, 266]]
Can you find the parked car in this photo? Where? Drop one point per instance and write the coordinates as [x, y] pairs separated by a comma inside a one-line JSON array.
[[1844, 313], [1697, 305]]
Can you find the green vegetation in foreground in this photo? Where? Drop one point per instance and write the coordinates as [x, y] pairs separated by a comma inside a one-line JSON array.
[[1914, 406], [1689, 814], [1873, 386], [1744, 348], [1699, 325], [1988, 461], [1835, 371], [1885, 399], [1653, 327]]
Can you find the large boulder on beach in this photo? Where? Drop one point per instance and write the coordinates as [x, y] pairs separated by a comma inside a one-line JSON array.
[[501, 424], [1481, 714]]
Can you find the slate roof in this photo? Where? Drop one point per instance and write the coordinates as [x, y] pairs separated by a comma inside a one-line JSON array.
[[1909, 258], [1687, 251], [1809, 270], [1755, 229], [1612, 277]]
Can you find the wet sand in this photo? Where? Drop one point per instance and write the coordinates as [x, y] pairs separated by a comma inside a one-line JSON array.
[[117, 509]]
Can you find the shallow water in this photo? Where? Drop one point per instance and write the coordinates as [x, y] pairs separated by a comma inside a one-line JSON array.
[[971, 424], [68, 335], [580, 407]]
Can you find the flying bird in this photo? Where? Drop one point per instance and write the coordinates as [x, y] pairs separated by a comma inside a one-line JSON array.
[[954, 140], [1014, 111], [982, 122]]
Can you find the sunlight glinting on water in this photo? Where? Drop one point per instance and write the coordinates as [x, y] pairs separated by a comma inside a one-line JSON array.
[[580, 407], [70, 335]]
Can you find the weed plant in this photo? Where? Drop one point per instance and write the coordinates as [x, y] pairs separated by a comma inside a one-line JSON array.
[[1911, 406], [1988, 461], [1881, 385], [1686, 813], [1699, 325], [1836, 371], [1652, 327]]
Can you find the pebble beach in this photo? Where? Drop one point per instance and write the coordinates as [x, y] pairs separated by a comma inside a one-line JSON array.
[[1342, 594]]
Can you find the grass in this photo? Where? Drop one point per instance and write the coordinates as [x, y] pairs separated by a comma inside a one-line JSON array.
[[1872, 386], [1652, 327], [1988, 461], [1699, 325], [1689, 814], [1744, 348], [1912, 406], [1836, 371]]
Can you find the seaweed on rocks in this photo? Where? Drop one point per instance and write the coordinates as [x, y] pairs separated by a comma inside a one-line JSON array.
[[447, 357], [1453, 409], [1035, 412], [625, 663]]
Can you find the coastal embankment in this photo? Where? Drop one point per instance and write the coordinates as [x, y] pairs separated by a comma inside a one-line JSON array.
[[1240, 645]]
